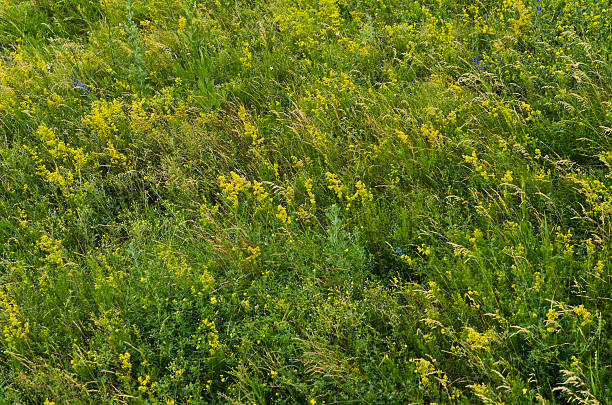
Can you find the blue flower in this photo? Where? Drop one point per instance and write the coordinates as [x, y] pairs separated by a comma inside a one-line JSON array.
[[77, 84], [399, 251], [477, 63]]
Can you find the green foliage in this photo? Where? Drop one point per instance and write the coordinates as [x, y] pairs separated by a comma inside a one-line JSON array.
[[305, 201]]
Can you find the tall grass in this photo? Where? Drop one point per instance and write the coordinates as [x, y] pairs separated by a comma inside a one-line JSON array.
[[305, 201]]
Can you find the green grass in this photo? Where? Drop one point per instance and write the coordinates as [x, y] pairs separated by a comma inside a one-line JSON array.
[[305, 201]]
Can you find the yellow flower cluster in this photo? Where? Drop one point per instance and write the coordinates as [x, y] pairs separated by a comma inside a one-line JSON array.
[[52, 250], [254, 253], [259, 192], [476, 340], [405, 36], [64, 181], [318, 138], [209, 336], [426, 371], [518, 15], [319, 104], [584, 314], [282, 215], [104, 275], [125, 361], [360, 191], [142, 383], [247, 55], [141, 122], [60, 150], [181, 25], [103, 120], [551, 320], [62, 155], [335, 184], [311, 196], [13, 328], [432, 135], [565, 240], [176, 263], [231, 188], [597, 193], [250, 131], [307, 23], [476, 164]]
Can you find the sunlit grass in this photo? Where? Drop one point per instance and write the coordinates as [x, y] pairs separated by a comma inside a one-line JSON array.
[[305, 201]]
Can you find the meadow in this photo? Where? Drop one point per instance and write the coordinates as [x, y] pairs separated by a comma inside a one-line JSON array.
[[305, 202]]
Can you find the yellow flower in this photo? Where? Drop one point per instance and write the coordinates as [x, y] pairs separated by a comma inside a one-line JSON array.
[[335, 184], [125, 361], [507, 178], [282, 215], [584, 313], [181, 25]]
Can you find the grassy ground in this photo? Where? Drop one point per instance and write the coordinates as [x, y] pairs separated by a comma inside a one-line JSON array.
[[305, 201]]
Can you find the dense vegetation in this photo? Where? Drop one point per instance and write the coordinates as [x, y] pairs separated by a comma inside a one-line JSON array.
[[305, 201]]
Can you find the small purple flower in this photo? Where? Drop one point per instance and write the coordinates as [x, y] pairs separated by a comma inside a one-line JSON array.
[[477, 63], [77, 84]]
